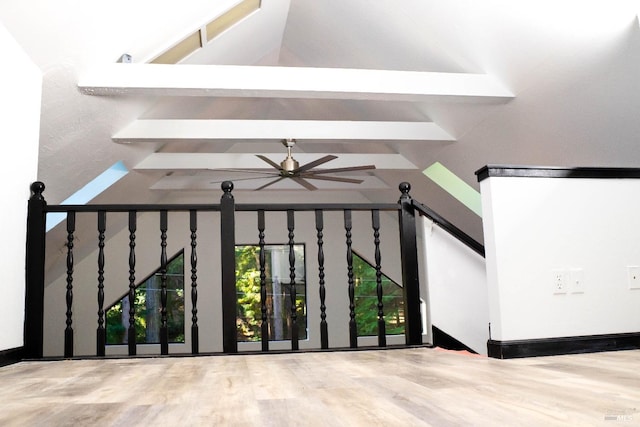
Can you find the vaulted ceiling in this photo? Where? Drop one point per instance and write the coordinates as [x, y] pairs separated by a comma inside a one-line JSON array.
[[400, 85]]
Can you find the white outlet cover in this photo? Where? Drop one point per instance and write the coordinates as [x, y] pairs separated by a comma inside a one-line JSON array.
[[559, 281], [576, 281], [633, 274]]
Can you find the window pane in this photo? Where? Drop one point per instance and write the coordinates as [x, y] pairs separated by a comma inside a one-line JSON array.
[[147, 309], [278, 287], [366, 300]]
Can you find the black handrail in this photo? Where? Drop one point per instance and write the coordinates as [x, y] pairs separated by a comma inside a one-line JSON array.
[[129, 207], [450, 228], [320, 206], [245, 207]]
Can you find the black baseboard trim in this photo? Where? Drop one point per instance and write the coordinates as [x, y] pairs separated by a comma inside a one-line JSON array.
[[12, 355], [563, 345]]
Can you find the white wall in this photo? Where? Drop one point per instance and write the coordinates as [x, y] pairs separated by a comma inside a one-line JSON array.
[[20, 86], [534, 226], [457, 283]]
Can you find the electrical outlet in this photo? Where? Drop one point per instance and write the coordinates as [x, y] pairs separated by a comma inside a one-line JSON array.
[[633, 274], [559, 281], [576, 281]]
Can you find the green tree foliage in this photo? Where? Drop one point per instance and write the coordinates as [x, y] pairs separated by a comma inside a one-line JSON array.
[[366, 300], [249, 321], [248, 301], [248, 292], [147, 308]]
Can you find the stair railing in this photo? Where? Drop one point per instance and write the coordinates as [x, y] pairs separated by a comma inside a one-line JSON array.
[[36, 251]]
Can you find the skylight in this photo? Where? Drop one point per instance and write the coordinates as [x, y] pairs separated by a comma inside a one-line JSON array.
[[208, 32], [231, 18], [181, 50], [83, 196], [455, 186]]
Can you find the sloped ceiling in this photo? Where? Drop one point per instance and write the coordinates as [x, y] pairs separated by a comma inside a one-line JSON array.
[[571, 67]]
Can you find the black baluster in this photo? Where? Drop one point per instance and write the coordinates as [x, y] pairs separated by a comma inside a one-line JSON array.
[[353, 329], [324, 332], [409, 260], [164, 335], [193, 223], [68, 332], [292, 283], [101, 338], [263, 284], [131, 331], [375, 222]]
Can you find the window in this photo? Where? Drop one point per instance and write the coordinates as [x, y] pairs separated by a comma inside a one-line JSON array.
[[147, 308], [278, 292], [366, 300], [455, 186], [90, 191]]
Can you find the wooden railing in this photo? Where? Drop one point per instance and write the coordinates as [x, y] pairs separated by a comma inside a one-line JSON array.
[[463, 237], [227, 208]]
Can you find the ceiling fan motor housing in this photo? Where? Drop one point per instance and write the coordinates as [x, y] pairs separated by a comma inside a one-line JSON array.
[[289, 164]]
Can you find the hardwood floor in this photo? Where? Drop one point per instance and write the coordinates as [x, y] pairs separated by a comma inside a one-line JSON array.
[[400, 387]]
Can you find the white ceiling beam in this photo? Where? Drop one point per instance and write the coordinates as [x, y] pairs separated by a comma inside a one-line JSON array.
[[203, 130], [204, 161], [285, 82]]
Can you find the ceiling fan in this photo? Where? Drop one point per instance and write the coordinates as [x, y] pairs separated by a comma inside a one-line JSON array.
[[291, 169]]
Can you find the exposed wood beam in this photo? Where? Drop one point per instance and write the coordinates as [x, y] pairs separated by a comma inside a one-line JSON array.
[[285, 82], [203, 130], [204, 161]]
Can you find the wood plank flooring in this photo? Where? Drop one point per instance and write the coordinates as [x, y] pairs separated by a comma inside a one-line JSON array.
[[400, 387]]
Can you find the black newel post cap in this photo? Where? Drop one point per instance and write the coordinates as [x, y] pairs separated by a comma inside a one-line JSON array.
[[227, 187], [37, 188], [404, 188]]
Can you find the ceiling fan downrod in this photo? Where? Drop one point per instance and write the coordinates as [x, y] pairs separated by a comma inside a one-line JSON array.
[[289, 165]]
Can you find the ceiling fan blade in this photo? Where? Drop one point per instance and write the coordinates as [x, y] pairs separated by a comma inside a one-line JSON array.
[[333, 178], [268, 160], [240, 179], [270, 183], [304, 183], [315, 163], [347, 169], [266, 173]]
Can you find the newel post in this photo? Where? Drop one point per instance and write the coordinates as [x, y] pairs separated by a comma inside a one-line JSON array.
[[228, 254], [409, 260], [34, 270]]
